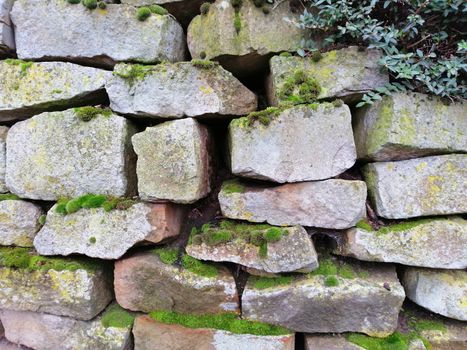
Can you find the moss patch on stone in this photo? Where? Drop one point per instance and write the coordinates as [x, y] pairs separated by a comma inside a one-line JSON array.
[[24, 65], [204, 64], [263, 117], [143, 13], [331, 281], [232, 186], [134, 72], [225, 321], [399, 227], [68, 206], [118, 317], [261, 282], [8, 197], [88, 113], [170, 256], [299, 88], [396, 341], [42, 219], [204, 8], [329, 267]]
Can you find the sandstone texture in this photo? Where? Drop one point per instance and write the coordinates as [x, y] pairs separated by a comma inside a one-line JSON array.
[[153, 335], [403, 126], [7, 345], [173, 161], [440, 291], [3, 134], [359, 304], [50, 332], [107, 235], [418, 187], [329, 342], [281, 151], [347, 74], [414, 243], [7, 39], [214, 36], [331, 203], [294, 251], [19, 222], [29, 88], [196, 89], [57, 154], [144, 283], [55, 29]]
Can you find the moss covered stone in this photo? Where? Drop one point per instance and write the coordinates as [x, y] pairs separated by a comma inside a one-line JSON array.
[[68, 206], [232, 186], [8, 197], [269, 282], [116, 316]]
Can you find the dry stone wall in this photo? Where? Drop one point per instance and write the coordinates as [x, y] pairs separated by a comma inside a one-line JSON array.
[[174, 177]]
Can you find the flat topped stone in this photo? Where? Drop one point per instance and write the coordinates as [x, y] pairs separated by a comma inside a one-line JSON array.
[[107, 234], [56, 29], [435, 243], [50, 332], [75, 287], [302, 143], [19, 222], [29, 88], [3, 134], [58, 154], [152, 281], [403, 126], [346, 73], [194, 89], [331, 203], [418, 187], [246, 48], [7, 39]]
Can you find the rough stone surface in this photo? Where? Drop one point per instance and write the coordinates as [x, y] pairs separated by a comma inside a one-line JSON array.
[[7, 345], [440, 291], [7, 39], [414, 246], [144, 283], [150, 335], [55, 155], [418, 187], [54, 29], [19, 222], [215, 36], [347, 74], [300, 144], [361, 304], [50, 332], [173, 161], [332, 203], [293, 252], [329, 342], [3, 135], [80, 294], [403, 126], [107, 235], [31, 88], [178, 90]]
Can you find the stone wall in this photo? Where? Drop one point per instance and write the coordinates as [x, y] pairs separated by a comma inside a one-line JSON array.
[[173, 177]]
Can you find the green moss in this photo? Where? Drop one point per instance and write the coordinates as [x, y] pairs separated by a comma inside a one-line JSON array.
[[86, 114], [74, 2], [204, 8], [299, 88], [237, 22], [232, 186], [102, 5], [118, 317], [263, 117], [225, 321], [427, 325], [218, 237], [68, 206], [143, 13], [337, 103], [168, 256], [329, 267], [403, 226], [92, 240], [269, 282], [396, 341], [364, 225], [316, 56], [8, 197], [263, 250], [90, 4], [133, 72], [24, 65], [158, 10], [331, 281], [61, 206], [285, 54], [236, 3], [42, 219], [274, 234], [204, 64]]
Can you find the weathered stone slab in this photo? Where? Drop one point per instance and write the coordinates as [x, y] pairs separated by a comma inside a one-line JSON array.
[[215, 36], [19, 222], [346, 74], [403, 126], [329, 342], [173, 161], [413, 243], [57, 154], [50, 332], [302, 143], [440, 291], [70, 287], [29, 88], [147, 332], [3, 134], [418, 187], [196, 89], [262, 247], [350, 300], [7, 39], [331, 203], [7, 345], [144, 282], [55, 29], [107, 235]]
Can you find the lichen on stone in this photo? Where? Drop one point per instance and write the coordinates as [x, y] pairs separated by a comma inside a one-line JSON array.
[[24, 65]]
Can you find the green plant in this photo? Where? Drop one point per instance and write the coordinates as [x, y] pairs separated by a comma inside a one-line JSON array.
[[23, 65], [158, 10], [204, 8], [331, 281], [269, 282], [118, 317], [133, 72], [102, 5], [143, 13], [205, 64], [86, 114], [68, 206], [73, 1], [92, 240], [8, 196], [168, 256], [90, 4], [274, 234], [42, 219], [232, 186], [299, 88]]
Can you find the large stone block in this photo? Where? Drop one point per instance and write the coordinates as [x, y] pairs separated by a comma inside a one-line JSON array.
[[61, 286], [302, 143], [403, 126], [146, 282], [173, 161], [329, 342], [331, 203], [7, 345], [3, 134], [58, 154], [245, 48], [418, 187], [56, 29], [7, 38], [435, 243], [29, 88], [107, 235], [196, 89], [19, 222], [50, 332], [347, 74]]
